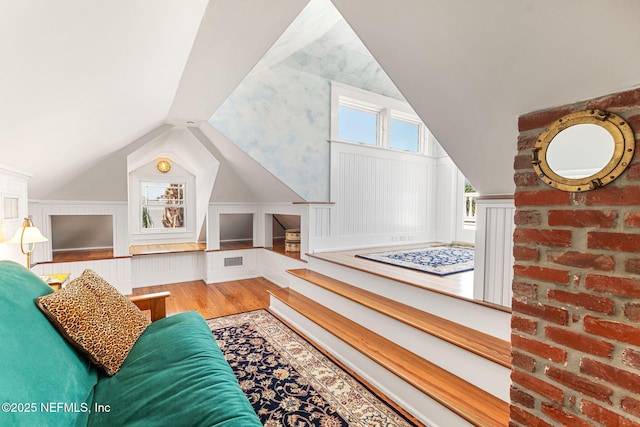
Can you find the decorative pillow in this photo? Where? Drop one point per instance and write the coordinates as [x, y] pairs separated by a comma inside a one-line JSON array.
[[95, 318]]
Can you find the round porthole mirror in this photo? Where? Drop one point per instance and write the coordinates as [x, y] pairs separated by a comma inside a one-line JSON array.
[[583, 151]]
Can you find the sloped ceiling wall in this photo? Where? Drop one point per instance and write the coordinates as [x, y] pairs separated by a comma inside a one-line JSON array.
[[280, 113], [470, 68], [83, 79]]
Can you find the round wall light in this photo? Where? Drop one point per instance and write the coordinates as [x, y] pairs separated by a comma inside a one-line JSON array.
[[164, 166]]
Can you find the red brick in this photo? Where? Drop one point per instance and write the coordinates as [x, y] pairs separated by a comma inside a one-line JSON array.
[[519, 396], [631, 357], [633, 172], [522, 161], [538, 348], [521, 289], [527, 419], [526, 142], [608, 196], [567, 419], [604, 416], [546, 312], [545, 237], [542, 273], [521, 324], [623, 242], [632, 266], [631, 405], [624, 100], [579, 299], [578, 341], [527, 179], [525, 217], [543, 118], [632, 219], [634, 121], [632, 311], [523, 253], [580, 384], [523, 361], [542, 198], [610, 374], [621, 286], [586, 218], [538, 386], [583, 260], [611, 329]]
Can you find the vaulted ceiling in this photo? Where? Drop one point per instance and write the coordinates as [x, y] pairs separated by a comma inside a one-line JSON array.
[[81, 79]]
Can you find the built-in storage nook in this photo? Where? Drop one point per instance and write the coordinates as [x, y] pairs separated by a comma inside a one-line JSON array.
[[236, 230], [285, 234], [76, 237]]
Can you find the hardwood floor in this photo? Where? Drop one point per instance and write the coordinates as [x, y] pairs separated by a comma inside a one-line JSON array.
[[459, 285], [215, 300]]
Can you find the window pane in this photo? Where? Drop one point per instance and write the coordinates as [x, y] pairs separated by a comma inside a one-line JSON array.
[[404, 136], [162, 204], [357, 126]]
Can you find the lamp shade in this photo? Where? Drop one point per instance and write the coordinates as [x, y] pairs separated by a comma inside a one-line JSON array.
[[28, 233]]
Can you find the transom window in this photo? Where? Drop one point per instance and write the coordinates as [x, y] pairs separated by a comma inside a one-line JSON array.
[[369, 118], [162, 205]]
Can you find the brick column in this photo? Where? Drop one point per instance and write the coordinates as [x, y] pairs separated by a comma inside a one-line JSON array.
[[576, 305]]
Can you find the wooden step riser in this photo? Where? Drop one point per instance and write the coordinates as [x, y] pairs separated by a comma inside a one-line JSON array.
[[474, 369], [415, 402], [481, 318]]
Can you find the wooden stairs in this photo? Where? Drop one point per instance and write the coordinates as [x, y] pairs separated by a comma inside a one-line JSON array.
[[340, 330]]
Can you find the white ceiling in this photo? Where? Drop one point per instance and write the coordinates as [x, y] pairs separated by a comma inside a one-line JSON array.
[[81, 79]]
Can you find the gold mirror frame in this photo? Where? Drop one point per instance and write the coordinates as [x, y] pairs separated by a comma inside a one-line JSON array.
[[624, 146]]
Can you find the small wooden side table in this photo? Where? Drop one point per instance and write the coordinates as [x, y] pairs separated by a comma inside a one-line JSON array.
[[56, 280]]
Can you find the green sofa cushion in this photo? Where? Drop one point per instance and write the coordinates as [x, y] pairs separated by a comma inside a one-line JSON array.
[[175, 375], [39, 369]]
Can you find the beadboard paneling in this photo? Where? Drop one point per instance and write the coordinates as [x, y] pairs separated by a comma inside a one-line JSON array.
[[494, 251], [249, 267], [380, 195], [116, 271], [162, 269]]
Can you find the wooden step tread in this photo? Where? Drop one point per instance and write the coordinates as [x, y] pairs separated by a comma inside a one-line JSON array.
[[484, 345], [468, 401]]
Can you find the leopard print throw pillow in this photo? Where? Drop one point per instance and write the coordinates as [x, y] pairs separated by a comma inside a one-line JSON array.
[[96, 319]]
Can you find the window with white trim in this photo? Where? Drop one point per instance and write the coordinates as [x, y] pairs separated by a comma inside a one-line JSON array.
[[162, 205], [368, 118]]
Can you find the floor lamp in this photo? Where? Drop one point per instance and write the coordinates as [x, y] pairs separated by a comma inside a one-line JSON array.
[[30, 235]]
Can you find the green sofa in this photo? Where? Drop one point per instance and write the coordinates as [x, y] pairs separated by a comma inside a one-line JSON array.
[[175, 374]]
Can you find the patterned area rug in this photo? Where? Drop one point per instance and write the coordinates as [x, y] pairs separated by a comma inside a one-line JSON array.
[[440, 260], [289, 382]]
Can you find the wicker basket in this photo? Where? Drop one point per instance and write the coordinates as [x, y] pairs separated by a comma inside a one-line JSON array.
[[292, 235]]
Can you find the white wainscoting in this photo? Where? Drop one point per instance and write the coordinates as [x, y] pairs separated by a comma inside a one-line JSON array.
[[381, 196], [246, 264], [493, 272], [116, 271], [162, 269]]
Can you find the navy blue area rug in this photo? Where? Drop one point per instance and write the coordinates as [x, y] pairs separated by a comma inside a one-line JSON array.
[[440, 260], [291, 383]]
